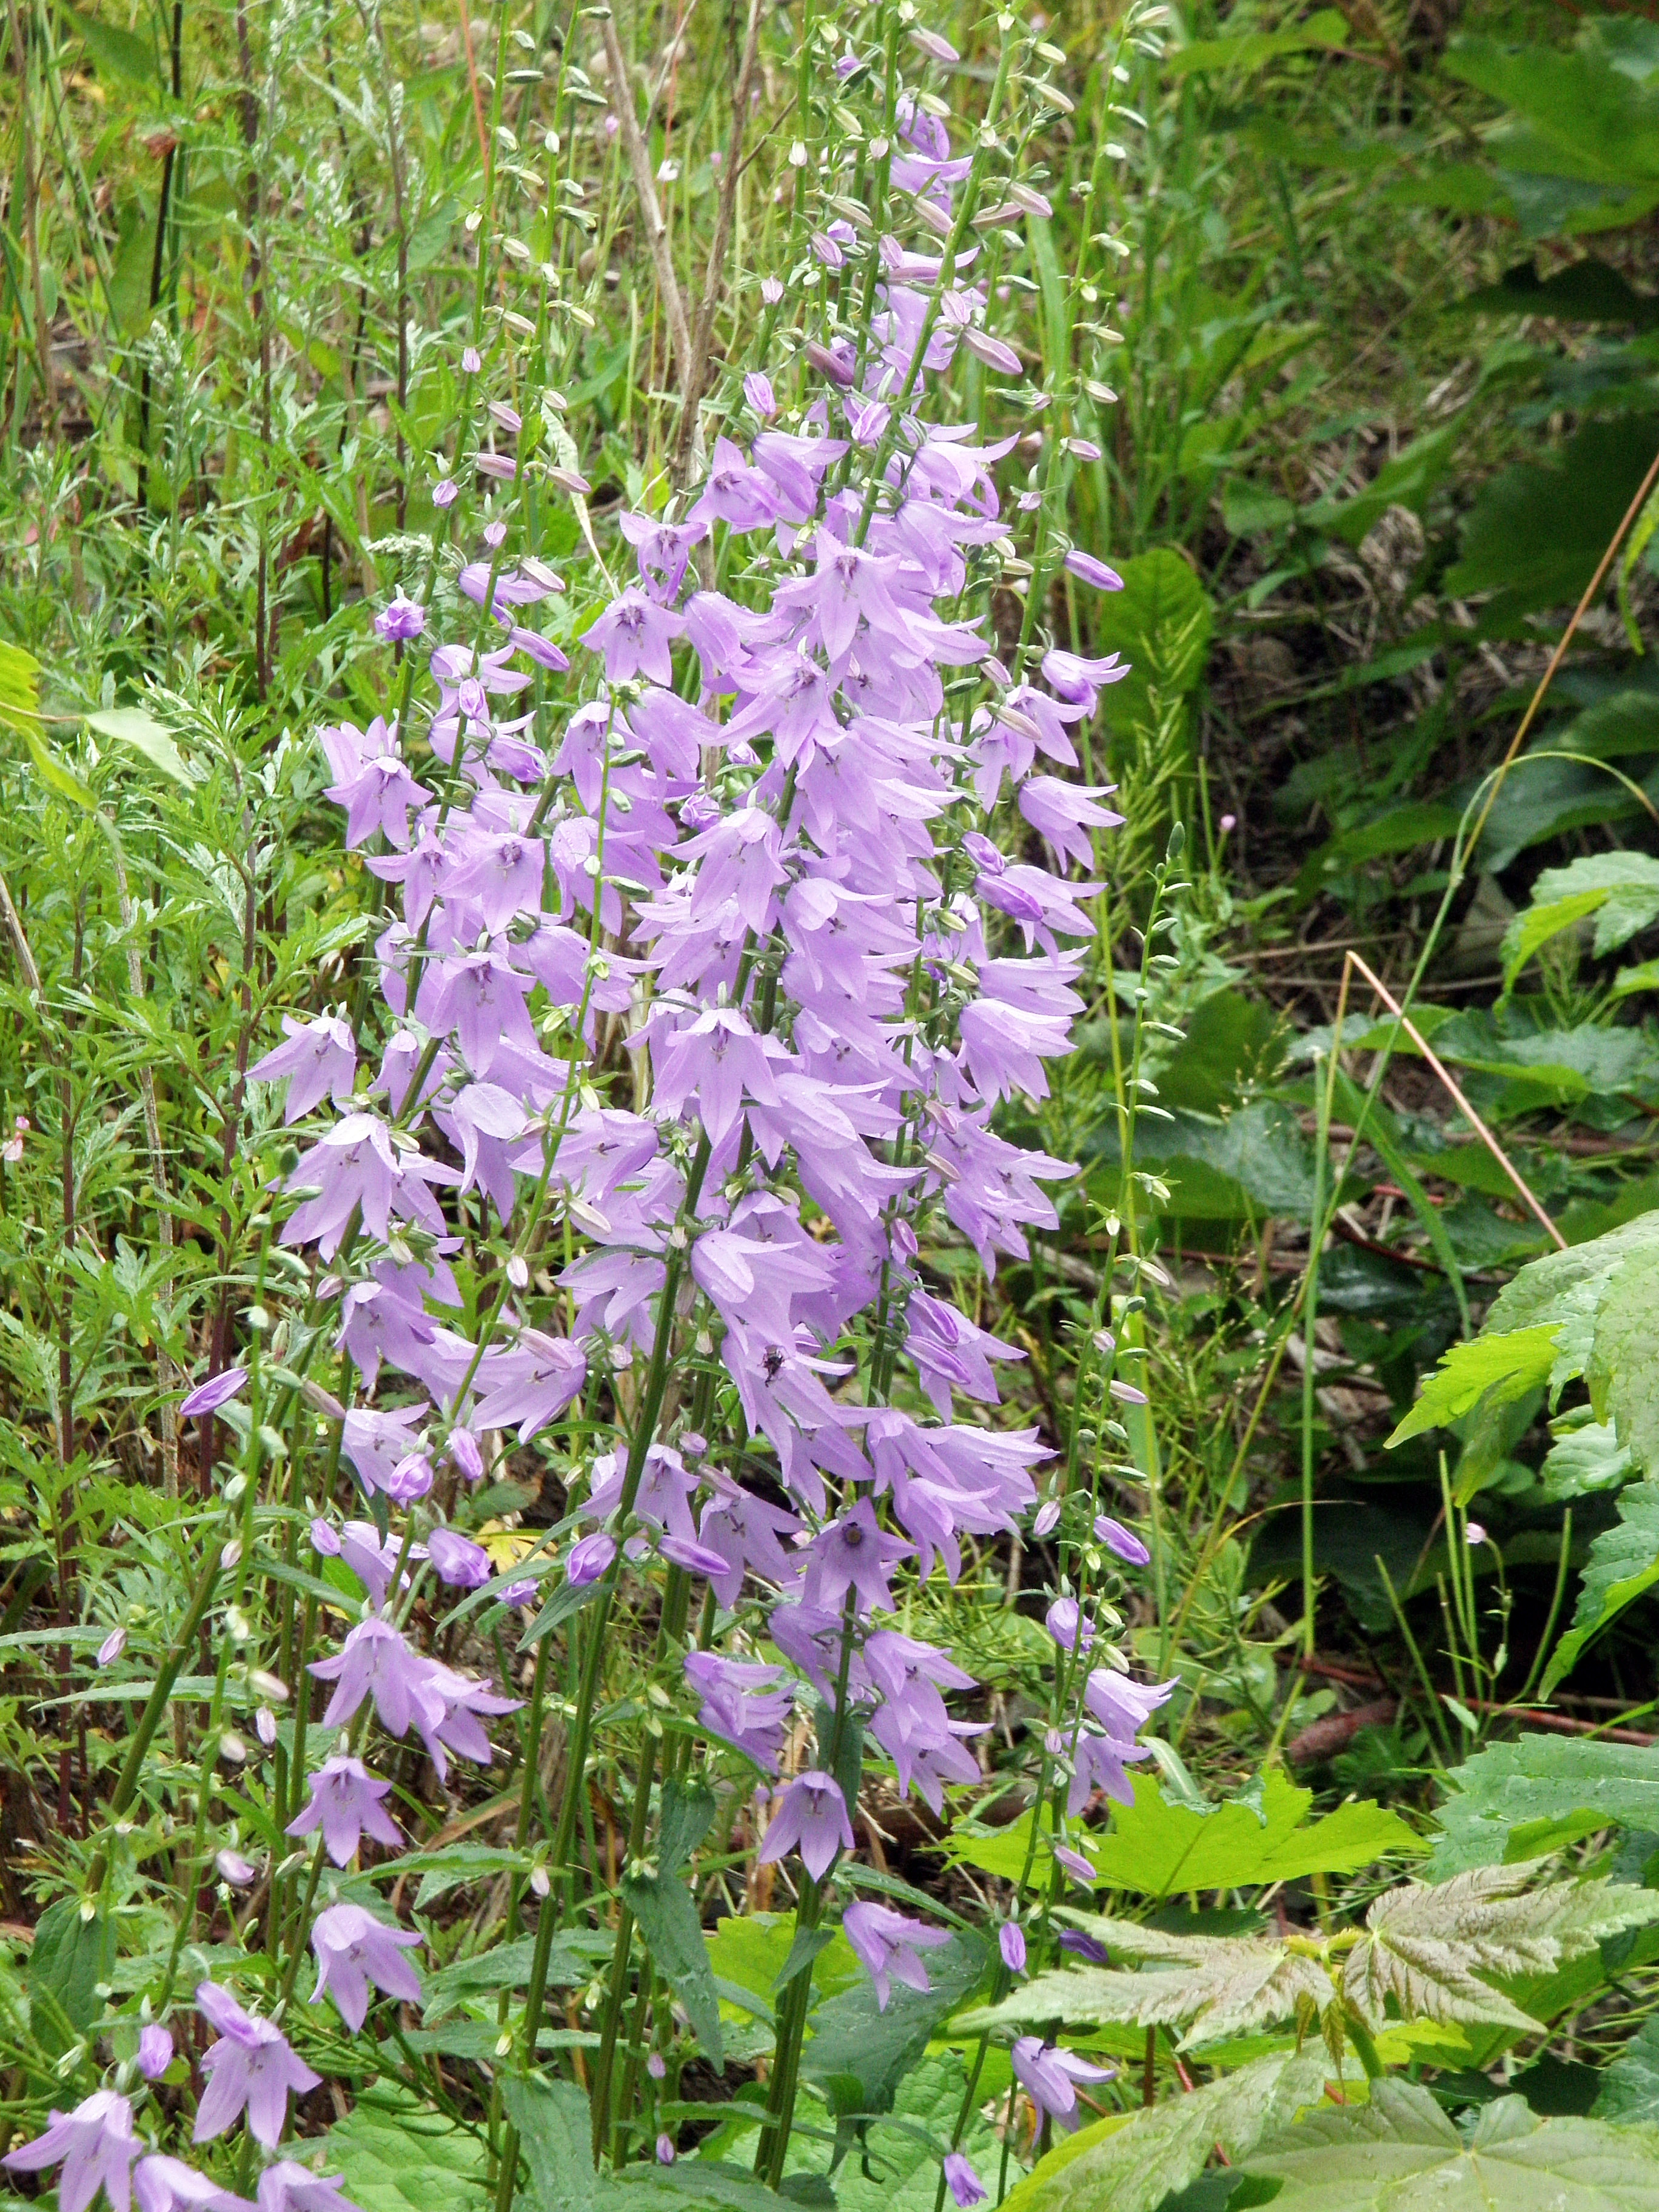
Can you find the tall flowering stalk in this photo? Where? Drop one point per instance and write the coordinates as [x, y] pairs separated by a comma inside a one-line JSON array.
[[703, 978]]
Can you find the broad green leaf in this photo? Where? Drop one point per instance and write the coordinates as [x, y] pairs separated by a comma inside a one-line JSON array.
[[1540, 1778], [463, 1863], [1130, 2164], [1599, 122], [68, 1957], [1537, 529], [704, 2181], [506, 1966], [1629, 2088], [555, 2133], [116, 53], [667, 1914], [1162, 1850], [1535, 1299], [1623, 1565], [852, 2036], [403, 2158], [749, 1951], [1160, 622], [1621, 888], [1507, 1367], [1399, 2152], [1429, 1949], [1622, 1370], [132, 725], [1584, 1459]]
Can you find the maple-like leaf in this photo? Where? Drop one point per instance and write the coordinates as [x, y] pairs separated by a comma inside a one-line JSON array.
[[1219, 1985], [1426, 1945]]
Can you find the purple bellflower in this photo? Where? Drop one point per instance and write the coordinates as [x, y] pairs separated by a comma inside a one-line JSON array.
[[96, 2146], [810, 1818], [249, 2069], [964, 2184], [355, 1949], [889, 1946], [346, 1802], [1050, 2075]]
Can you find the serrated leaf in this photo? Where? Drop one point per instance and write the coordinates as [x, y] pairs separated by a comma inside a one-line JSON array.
[[67, 1958], [1623, 1565], [1621, 1372], [1163, 1850], [1536, 1779], [132, 725], [1401, 2152], [1621, 888], [1629, 2088], [1427, 1945], [667, 1915], [1494, 1368], [1536, 1297], [1218, 1985], [404, 2158], [555, 2133], [1130, 2164]]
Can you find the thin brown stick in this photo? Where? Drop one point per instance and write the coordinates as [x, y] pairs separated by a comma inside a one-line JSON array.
[[656, 231], [1353, 960], [702, 337]]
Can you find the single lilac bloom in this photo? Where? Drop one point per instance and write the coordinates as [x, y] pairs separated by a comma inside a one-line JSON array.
[[1124, 1542], [464, 1450], [354, 1949], [320, 1059], [96, 2146], [657, 2067], [665, 2152], [374, 1661], [696, 1558], [111, 1647], [345, 1801], [1050, 2077], [887, 1943], [218, 1390], [154, 2052], [1047, 1517], [456, 1559], [1066, 1622], [1088, 570], [965, 2185], [757, 391], [235, 1870], [1075, 1865], [1122, 1707], [250, 2067], [167, 2184], [811, 1819], [587, 1559], [402, 619], [1010, 1942], [445, 492], [471, 361]]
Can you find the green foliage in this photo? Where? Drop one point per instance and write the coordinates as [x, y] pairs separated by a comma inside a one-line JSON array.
[[1400, 2151], [1164, 1850], [1624, 1564], [1509, 1800], [1129, 2163], [667, 1914], [1491, 1370], [1629, 2088], [396, 2156]]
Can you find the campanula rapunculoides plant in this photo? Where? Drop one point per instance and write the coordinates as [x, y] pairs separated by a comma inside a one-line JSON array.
[[714, 932]]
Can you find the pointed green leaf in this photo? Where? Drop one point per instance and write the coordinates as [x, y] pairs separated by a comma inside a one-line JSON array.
[[1399, 2152], [1507, 1367], [1162, 1850], [667, 1915], [132, 725], [1130, 2163]]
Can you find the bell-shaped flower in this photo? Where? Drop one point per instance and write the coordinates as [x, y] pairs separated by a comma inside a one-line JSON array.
[[318, 1058], [355, 1949], [346, 1802], [889, 1946], [96, 2146], [811, 1819], [251, 2068]]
